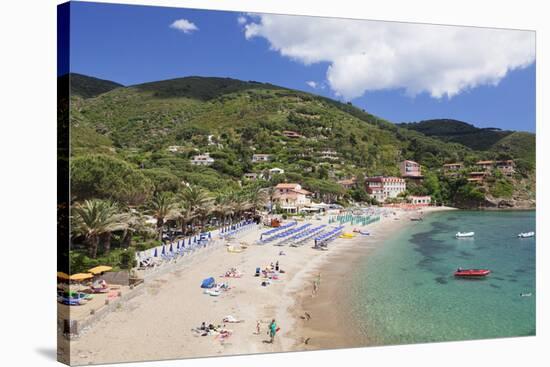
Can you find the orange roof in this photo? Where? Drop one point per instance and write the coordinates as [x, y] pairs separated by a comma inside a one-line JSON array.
[[286, 186], [302, 191], [485, 162]]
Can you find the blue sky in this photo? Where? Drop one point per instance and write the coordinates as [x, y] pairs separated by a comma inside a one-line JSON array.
[[135, 44]]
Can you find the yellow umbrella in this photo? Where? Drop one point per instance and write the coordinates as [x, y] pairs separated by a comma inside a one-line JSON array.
[[100, 269], [81, 276], [62, 275]]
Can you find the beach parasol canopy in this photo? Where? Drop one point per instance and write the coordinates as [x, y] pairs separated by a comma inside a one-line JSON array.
[[62, 275], [100, 269], [81, 276]]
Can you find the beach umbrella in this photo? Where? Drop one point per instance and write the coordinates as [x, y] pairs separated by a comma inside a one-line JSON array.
[[155, 253], [100, 269], [62, 275], [80, 276], [171, 248], [163, 252]]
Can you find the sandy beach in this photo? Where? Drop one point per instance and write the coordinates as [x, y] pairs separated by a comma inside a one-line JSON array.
[[157, 323]]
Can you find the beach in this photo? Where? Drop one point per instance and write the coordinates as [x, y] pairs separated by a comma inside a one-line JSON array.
[[157, 323]]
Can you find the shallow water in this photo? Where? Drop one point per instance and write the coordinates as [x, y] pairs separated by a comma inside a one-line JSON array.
[[405, 291]]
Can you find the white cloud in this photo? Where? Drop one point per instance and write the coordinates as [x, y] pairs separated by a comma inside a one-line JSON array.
[[373, 55], [312, 84], [184, 25], [241, 20]]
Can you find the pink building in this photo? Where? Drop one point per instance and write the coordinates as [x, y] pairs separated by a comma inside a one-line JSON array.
[[410, 169]]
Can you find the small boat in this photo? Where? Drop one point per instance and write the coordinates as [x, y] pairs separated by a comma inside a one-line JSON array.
[[526, 234], [416, 219], [471, 273], [525, 294], [464, 234]]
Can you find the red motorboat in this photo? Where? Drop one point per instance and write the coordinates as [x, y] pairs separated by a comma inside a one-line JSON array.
[[472, 273]]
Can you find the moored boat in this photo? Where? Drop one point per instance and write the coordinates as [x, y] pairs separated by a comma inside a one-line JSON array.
[[471, 273], [526, 234], [464, 234]]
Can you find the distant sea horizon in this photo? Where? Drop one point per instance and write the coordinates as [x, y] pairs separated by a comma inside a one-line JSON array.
[[405, 291]]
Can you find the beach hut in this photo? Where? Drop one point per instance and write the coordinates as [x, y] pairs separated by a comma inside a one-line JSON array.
[[208, 283]]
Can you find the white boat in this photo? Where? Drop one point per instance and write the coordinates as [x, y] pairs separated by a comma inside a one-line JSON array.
[[526, 234], [464, 234]]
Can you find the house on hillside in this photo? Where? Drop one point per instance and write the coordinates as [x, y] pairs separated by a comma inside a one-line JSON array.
[[476, 177], [507, 167], [260, 158], [410, 169], [382, 188], [291, 197], [451, 169], [252, 176], [202, 160], [485, 165], [276, 171]]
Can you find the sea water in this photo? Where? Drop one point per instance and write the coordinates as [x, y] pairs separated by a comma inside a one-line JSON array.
[[405, 291]]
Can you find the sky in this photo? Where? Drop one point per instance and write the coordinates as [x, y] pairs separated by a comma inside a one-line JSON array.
[[402, 72]]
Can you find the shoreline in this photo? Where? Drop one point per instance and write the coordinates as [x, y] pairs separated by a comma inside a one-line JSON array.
[[330, 325], [157, 324]]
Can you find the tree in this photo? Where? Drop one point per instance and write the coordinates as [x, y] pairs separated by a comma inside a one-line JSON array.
[[96, 218], [197, 203], [163, 207], [104, 177]]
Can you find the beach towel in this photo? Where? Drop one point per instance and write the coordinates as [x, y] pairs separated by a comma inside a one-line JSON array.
[[231, 319]]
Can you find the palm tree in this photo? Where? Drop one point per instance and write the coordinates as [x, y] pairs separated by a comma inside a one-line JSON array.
[[95, 219], [197, 202], [257, 198], [163, 208]]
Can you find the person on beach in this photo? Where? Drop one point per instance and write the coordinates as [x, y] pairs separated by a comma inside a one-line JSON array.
[[272, 331], [258, 327], [277, 266], [314, 291]]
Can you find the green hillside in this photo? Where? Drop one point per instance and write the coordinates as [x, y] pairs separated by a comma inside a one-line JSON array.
[[518, 144], [233, 119], [88, 87]]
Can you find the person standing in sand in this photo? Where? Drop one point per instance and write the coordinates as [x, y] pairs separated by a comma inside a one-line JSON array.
[[272, 331], [258, 327]]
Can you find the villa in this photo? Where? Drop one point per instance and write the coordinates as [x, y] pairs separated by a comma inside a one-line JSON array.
[[259, 158], [476, 177], [291, 197], [410, 169], [485, 165], [202, 160], [175, 148], [382, 188], [507, 167], [252, 176], [276, 171], [452, 168]]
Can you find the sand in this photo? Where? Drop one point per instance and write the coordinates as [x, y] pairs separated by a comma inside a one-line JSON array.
[[157, 324]]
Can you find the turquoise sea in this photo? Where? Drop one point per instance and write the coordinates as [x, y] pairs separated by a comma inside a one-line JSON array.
[[405, 291]]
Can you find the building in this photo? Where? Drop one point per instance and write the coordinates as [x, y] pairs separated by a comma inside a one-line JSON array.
[[410, 169], [328, 154], [421, 200], [175, 148], [292, 134], [452, 168], [382, 188], [291, 197], [476, 177], [276, 171], [259, 158], [202, 160], [252, 176], [348, 183], [485, 165], [507, 167]]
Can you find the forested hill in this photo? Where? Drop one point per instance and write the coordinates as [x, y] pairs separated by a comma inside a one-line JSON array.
[[155, 128], [517, 144]]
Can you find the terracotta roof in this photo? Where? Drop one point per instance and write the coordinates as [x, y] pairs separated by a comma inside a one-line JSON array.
[[286, 186], [485, 162]]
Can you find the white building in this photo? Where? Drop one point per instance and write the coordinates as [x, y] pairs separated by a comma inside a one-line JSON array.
[[276, 171], [258, 158], [382, 188], [202, 160], [329, 154]]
